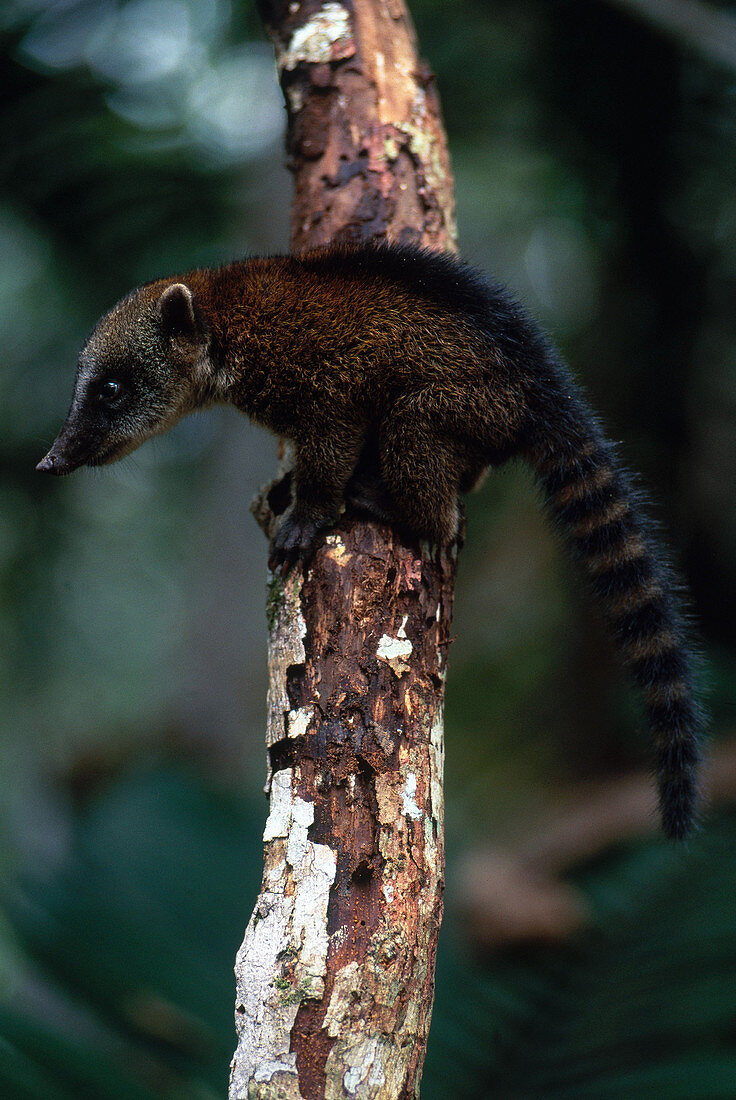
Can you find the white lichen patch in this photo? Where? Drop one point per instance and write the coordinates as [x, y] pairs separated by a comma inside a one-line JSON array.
[[366, 1070], [437, 760], [298, 844], [358, 1067], [286, 648], [357, 1064], [326, 37], [277, 822], [337, 549], [339, 936], [266, 1070], [346, 982], [276, 872], [299, 721], [396, 651], [408, 797], [283, 958]]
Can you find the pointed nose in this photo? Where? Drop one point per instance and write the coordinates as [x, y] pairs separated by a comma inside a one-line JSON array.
[[69, 450], [46, 465], [55, 463]]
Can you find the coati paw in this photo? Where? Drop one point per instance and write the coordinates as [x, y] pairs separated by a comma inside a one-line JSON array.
[[294, 541]]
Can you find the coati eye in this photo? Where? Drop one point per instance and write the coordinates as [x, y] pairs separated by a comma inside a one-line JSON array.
[[110, 391]]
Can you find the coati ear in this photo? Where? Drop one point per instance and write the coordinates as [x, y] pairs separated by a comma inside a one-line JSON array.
[[176, 309]]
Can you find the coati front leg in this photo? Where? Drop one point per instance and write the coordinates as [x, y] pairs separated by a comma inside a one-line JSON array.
[[324, 464]]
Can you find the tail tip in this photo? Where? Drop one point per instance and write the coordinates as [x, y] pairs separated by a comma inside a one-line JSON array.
[[678, 827], [678, 812]]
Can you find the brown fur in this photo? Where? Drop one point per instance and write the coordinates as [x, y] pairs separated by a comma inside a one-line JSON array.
[[400, 376]]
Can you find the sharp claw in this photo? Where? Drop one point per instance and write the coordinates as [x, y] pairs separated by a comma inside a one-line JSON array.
[[282, 561], [294, 542]]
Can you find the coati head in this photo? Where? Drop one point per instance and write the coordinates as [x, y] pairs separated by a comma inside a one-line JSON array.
[[144, 366]]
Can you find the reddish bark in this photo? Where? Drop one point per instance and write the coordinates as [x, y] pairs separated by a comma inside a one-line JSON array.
[[365, 137], [372, 720], [358, 646]]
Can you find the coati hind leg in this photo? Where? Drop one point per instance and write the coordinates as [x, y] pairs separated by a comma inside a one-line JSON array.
[[367, 494], [366, 491], [422, 471], [324, 465]]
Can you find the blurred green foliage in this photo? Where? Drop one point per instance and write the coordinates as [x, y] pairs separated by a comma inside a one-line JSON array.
[[132, 933], [596, 171], [136, 929]]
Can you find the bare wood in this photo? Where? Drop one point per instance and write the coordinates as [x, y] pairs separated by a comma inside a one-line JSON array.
[[335, 975]]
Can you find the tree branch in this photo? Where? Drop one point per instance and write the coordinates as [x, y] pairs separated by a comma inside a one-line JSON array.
[[335, 975]]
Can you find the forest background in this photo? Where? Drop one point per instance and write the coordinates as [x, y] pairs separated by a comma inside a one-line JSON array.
[[595, 162]]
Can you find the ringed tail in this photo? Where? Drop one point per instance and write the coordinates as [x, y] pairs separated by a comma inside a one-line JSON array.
[[598, 509]]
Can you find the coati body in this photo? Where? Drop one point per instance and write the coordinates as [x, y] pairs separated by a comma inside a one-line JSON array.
[[401, 376]]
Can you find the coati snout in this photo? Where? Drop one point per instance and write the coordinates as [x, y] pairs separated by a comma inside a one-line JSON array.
[[137, 375]]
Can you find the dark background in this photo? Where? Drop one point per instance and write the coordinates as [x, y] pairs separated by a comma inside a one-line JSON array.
[[595, 160]]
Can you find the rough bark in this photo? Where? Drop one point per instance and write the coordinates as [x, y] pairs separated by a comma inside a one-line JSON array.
[[365, 136], [335, 975]]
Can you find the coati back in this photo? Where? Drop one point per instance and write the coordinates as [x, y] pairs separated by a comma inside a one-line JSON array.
[[401, 375]]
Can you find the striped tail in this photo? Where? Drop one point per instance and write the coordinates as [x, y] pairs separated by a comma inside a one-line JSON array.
[[593, 500]]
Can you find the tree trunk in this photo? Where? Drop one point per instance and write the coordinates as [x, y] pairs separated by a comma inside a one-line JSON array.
[[336, 972]]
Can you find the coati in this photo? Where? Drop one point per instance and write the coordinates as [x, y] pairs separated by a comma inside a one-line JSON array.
[[400, 375]]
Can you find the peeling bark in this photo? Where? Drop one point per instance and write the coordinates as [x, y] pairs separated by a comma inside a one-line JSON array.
[[365, 136], [335, 975]]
